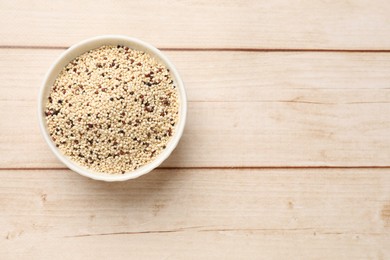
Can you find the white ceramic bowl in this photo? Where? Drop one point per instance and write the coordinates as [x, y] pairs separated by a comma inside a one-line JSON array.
[[96, 42]]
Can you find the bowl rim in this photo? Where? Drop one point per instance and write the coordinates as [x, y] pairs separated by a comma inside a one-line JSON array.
[[76, 50]]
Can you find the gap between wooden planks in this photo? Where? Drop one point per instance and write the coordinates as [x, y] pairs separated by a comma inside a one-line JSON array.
[[211, 49], [246, 109], [302, 213], [279, 24]]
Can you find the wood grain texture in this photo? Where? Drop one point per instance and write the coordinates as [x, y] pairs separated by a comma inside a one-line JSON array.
[[192, 214], [246, 109], [361, 24], [301, 86]]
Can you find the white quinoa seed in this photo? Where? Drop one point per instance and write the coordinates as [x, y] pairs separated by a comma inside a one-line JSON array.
[[112, 109]]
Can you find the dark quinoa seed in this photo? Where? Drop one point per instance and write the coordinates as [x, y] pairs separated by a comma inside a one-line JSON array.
[[149, 109], [166, 102]]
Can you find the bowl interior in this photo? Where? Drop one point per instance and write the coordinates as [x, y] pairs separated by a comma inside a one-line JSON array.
[[94, 43]]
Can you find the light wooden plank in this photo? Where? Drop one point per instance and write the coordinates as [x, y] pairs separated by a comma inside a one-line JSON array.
[[246, 109], [192, 214], [361, 24]]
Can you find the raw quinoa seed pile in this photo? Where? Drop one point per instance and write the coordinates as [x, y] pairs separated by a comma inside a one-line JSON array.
[[112, 109]]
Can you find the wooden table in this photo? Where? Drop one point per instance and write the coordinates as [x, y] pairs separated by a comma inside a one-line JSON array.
[[286, 154]]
